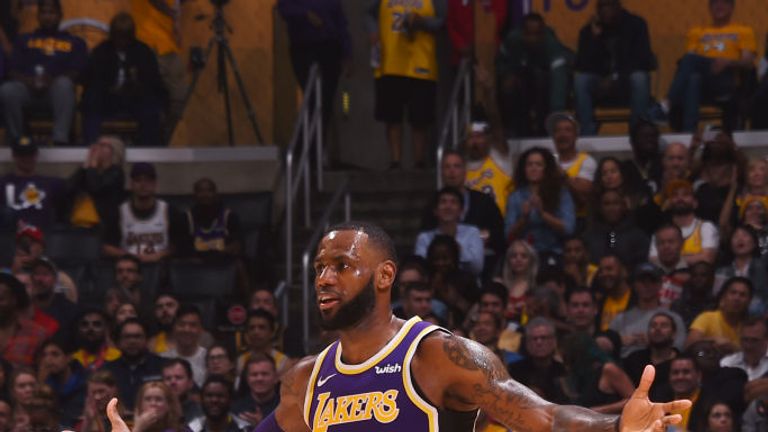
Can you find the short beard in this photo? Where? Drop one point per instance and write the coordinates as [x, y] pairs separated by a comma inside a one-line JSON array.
[[661, 344], [353, 312]]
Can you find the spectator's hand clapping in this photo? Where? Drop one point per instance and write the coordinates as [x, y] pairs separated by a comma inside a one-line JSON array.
[[252, 417]]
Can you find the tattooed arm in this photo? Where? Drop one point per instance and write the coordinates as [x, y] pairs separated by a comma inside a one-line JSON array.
[[464, 375], [290, 412]]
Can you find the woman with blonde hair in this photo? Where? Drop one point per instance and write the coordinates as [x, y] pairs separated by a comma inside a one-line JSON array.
[[157, 409], [518, 274], [98, 185]]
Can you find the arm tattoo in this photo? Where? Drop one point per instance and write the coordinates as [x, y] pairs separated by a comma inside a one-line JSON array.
[[514, 404]]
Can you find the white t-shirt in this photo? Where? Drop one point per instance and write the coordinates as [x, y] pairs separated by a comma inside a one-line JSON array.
[[710, 236], [587, 170], [197, 361]]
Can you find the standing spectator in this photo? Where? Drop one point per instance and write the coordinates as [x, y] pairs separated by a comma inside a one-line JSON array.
[[122, 79], [216, 396], [136, 365], [157, 25], [518, 274], [612, 283], [147, 227], [715, 54], [613, 60], [101, 388], [541, 210], [44, 68], [259, 394], [745, 261], [32, 198], [66, 379], [696, 294], [47, 300], [214, 229], [405, 67], [177, 375], [187, 331], [100, 180], [448, 210], [318, 33], [722, 325], [489, 169], [22, 337], [661, 333], [460, 24], [540, 370], [533, 69], [157, 409], [753, 357], [578, 166], [93, 347]]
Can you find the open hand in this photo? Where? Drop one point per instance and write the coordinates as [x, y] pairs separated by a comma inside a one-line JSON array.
[[642, 415]]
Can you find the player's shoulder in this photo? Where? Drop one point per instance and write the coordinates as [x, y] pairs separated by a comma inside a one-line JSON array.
[[445, 350], [296, 378]]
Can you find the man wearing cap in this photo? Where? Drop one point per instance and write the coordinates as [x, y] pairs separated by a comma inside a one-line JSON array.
[[700, 238], [147, 226], [488, 169], [46, 299], [44, 67], [632, 324], [32, 198], [579, 167], [19, 337]]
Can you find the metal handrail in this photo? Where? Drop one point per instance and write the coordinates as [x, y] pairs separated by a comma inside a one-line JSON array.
[[458, 114], [306, 256]]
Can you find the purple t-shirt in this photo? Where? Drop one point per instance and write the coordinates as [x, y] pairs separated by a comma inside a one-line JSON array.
[[36, 200]]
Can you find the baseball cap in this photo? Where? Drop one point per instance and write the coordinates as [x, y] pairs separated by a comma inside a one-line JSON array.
[[24, 146], [556, 117], [143, 169], [29, 231], [45, 262], [647, 269]]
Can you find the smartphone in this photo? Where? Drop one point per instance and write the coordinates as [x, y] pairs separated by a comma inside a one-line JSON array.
[[710, 133]]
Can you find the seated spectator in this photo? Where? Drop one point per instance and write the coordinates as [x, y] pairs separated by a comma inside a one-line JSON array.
[[577, 261], [286, 337], [479, 208], [612, 285], [30, 246], [214, 230], [668, 241], [612, 174], [697, 293], [592, 379], [632, 324], [754, 190], [720, 166], [719, 418], [260, 326], [518, 274], [448, 210], [22, 385], [645, 164], [166, 308], [685, 383], [613, 231], [136, 365], [581, 311], [675, 165], [66, 379], [541, 210], [728, 383], [42, 319], [716, 54], [259, 394], [721, 325], [700, 237], [101, 388], [220, 361], [493, 299], [452, 287], [122, 79], [540, 370], [753, 357], [216, 400], [489, 169], [416, 302], [544, 302], [33, 199], [578, 166], [187, 332], [147, 226], [486, 330], [99, 184], [43, 411], [45, 298], [754, 212], [754, 419], [44, 68], [157, 409], [533, 71], [661, 333], [23, 337], [613, 62], [93, 347], [128, 280], [6, 414], [124, 312], [745, 261], [178, 376]]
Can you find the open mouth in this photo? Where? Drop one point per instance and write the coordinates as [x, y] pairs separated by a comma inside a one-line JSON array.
[[325, 303]]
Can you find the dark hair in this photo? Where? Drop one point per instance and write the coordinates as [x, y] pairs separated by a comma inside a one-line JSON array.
[[533, 17], [452, 152], [376, 236], [414, 262], [498, 321], [167, 294], [448, 190], [580, 290], [703, 421], [188, 309], [45, 344], [219, 379], [686, 356], [122, 22], [200, 181], [416, 286], [735, 280], [55, 3], [554, 274], [552, 183], [262, 314], [103, 376], [752, 234], [667, 315], [634, 130], [598, 178], [130, 321], [129, 257], [443, 240], [666, 226], [752, 321], [225, 347], [178, 361], [497, 290]]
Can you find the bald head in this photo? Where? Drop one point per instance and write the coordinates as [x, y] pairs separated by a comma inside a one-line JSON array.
[[675, 160]]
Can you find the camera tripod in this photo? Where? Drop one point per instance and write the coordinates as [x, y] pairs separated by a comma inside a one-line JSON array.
[[224, 57]]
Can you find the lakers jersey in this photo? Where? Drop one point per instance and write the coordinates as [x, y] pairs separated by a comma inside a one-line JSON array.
[[144, 236], [376, 395], [404, 53], [491, 179]]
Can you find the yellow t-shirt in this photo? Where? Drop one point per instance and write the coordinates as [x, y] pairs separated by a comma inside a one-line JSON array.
[[613, 307], [713, 325], [727, 42], [489, 178], [692, 244], [87, 360], [155, 28], [160, 344], [686, 413], [403, 54]]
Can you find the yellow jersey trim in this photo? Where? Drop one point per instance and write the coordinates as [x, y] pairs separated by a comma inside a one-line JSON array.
[[376, 358], [413, 395], [311, 384]]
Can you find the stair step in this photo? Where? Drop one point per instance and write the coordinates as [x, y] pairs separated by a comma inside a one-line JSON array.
[[400, 180]]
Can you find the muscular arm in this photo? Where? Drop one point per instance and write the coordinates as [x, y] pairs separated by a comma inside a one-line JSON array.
[[290, 413]]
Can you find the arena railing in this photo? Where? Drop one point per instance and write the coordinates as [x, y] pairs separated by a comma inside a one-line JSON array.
[[457, 115]]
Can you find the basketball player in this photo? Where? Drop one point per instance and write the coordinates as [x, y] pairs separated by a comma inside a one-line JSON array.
[[387, 374]]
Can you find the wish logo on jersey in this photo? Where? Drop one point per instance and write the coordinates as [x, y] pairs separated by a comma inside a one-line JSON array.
[[355, 408]]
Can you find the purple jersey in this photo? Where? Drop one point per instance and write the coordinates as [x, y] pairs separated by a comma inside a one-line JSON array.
[[376, 395]]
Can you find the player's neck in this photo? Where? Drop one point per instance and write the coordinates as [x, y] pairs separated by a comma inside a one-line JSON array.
[[369, 336]]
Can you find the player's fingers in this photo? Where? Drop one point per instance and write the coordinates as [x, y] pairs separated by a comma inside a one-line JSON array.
[[672, 419], [118, 425], [649, 373], [658, 426], [677, 405]]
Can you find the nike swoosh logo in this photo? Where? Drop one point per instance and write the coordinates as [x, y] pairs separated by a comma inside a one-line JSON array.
[[322, 381]]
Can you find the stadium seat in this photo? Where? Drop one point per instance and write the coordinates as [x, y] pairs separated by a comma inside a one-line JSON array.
[[73, 246]]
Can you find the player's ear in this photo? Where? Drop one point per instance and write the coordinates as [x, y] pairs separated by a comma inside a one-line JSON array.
[[385, 274]]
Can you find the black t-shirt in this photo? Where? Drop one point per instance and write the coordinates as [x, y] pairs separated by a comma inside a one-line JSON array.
[[546, 382], [634, 365]]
